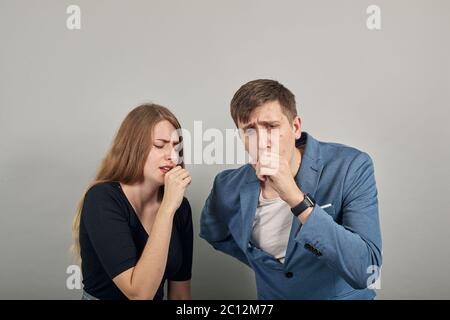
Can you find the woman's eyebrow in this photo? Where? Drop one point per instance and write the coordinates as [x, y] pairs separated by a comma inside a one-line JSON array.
[[166, 141]]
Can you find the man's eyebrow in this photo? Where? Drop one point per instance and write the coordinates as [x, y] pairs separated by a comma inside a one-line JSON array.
[[269, 122], [250, 125]]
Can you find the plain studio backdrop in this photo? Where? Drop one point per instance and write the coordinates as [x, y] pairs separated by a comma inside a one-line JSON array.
[[63, 94]]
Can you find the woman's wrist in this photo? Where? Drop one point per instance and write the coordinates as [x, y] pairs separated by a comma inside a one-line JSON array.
[[167, 209]]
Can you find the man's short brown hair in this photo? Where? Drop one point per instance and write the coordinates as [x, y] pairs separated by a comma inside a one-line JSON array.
[[255, 93]]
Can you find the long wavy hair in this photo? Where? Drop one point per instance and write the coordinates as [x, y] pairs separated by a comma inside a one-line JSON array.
[[125, 160]]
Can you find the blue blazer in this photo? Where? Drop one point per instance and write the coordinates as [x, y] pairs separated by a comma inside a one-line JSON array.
[[336, 254]]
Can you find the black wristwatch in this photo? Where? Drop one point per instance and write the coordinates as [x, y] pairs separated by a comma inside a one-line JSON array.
[[307, 202]]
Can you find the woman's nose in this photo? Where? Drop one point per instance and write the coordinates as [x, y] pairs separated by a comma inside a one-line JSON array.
[[173, 155]]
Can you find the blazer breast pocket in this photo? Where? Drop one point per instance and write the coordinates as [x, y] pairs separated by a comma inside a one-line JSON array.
[[329, 208]]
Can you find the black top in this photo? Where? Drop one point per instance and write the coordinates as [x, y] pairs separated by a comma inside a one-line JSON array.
[[112, 239]]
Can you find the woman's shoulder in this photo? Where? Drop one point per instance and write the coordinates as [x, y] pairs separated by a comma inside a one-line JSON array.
[[102, 187], [103, 191], [185, 205], [103, 198], [184, 213]]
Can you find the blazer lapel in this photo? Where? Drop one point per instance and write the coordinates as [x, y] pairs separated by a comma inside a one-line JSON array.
[[307, 179], [249, 195]]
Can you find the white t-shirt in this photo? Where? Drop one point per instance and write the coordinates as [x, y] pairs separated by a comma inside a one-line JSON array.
[[272, 226]]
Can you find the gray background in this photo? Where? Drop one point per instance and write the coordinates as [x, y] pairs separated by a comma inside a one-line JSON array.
[[64, 93]]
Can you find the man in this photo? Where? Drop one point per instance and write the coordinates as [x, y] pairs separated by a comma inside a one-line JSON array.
[[304, 214]]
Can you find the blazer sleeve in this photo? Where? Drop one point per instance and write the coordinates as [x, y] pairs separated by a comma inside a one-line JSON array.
[[352, 249], [215, 231]]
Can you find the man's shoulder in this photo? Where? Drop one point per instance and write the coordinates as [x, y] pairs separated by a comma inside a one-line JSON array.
[[233, 176], [227, 186], [332, 152]]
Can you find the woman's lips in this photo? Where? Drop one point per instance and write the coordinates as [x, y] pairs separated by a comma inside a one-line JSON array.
[[165, 169]]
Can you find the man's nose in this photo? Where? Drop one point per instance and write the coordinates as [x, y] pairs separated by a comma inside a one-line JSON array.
[[263, 139]]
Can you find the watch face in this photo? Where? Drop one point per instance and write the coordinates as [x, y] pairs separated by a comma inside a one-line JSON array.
[[309, 201]]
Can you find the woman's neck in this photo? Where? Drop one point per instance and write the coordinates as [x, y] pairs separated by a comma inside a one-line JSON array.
[[142, 195]]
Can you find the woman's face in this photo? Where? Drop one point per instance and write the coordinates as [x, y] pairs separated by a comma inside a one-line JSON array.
[[163, 155]]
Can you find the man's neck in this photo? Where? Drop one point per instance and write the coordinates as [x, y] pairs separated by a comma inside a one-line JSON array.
[[296, 160]]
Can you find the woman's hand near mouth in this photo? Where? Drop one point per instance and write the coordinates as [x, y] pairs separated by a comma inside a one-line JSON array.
[[175, 183]]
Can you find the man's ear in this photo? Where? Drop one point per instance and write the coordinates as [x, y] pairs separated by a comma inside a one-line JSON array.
[[297, 127]]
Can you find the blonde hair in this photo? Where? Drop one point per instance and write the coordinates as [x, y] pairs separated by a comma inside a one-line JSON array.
[[125, 160]]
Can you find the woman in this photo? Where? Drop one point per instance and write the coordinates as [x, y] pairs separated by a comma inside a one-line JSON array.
[[133, 228]]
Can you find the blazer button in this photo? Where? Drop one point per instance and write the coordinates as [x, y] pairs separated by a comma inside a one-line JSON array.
[[289, 274]]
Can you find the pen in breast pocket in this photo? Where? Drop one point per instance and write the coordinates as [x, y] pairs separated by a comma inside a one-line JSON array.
[[326, 206]]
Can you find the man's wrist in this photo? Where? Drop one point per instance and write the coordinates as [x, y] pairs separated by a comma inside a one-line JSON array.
[[305, 215], [294, 199]]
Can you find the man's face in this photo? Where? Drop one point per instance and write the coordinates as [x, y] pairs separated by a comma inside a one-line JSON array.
[[269, 130]]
